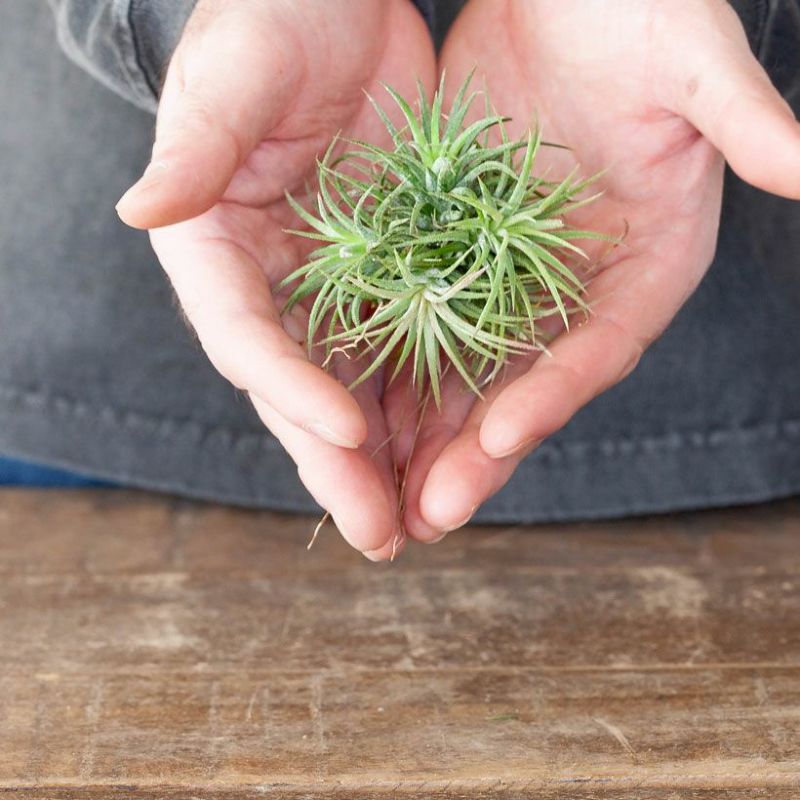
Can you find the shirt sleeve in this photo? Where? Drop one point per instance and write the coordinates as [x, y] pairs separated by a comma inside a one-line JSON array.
[[125, 44]]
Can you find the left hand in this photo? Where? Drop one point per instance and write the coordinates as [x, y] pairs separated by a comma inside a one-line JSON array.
[[659, 94], [256, 90]]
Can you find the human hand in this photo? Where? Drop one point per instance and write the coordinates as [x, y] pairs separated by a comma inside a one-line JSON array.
[[255, 91], [656, 93]]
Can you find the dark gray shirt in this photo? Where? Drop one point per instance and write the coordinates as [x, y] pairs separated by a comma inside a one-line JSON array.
[[97, 374], [126, 44]]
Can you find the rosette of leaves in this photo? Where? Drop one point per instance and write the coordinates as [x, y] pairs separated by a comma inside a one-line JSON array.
[[445, 250]]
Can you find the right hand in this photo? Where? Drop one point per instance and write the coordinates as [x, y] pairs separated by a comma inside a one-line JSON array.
[[658, 94], [257, 89]]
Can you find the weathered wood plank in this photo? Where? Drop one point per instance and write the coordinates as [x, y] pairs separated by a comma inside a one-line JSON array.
[[576, 790], [362, 619], [173, 650], [85, 531], [413, 614], [684, 728]]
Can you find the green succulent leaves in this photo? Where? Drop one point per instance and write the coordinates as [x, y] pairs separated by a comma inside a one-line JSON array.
[[445, 250]]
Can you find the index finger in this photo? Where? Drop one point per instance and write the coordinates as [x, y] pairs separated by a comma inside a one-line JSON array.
[[630, 306], [226, 297]]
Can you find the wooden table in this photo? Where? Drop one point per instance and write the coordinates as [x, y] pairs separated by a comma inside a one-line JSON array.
[[154, 648]]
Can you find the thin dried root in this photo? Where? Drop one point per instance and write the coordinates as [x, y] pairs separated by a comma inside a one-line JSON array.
[[422, 407], [399, 538], [325, 517]]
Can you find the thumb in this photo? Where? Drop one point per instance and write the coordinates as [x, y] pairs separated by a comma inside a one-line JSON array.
[[226, 88], [726, 94]]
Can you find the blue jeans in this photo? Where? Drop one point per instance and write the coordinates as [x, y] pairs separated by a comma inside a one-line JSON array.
[[22, 473]]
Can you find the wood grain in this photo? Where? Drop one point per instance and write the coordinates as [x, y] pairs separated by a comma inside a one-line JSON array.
[[161, 649]]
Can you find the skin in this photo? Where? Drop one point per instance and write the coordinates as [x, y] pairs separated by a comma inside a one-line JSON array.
[[256, 90], [657, 93]]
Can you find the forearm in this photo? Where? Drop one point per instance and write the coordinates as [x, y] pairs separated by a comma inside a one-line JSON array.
[[125, 44]]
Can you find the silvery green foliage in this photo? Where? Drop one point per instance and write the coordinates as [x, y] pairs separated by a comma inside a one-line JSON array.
[[444, 250]]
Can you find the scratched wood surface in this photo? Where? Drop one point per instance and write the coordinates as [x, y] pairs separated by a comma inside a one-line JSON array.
[[152, 648]]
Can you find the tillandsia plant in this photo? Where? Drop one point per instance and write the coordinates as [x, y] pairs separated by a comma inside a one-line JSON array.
[[445, 250]]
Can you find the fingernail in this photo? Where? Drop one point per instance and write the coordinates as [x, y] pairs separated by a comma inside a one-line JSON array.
[[373, 555], [527, 445], [460, 524], [427, 534], [152, 176], [324, 432]]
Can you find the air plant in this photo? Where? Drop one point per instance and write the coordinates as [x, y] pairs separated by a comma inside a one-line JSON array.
[[446, 250]]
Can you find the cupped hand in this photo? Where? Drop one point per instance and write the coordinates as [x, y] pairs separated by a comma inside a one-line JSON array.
[[657, 94], [257, 89]]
